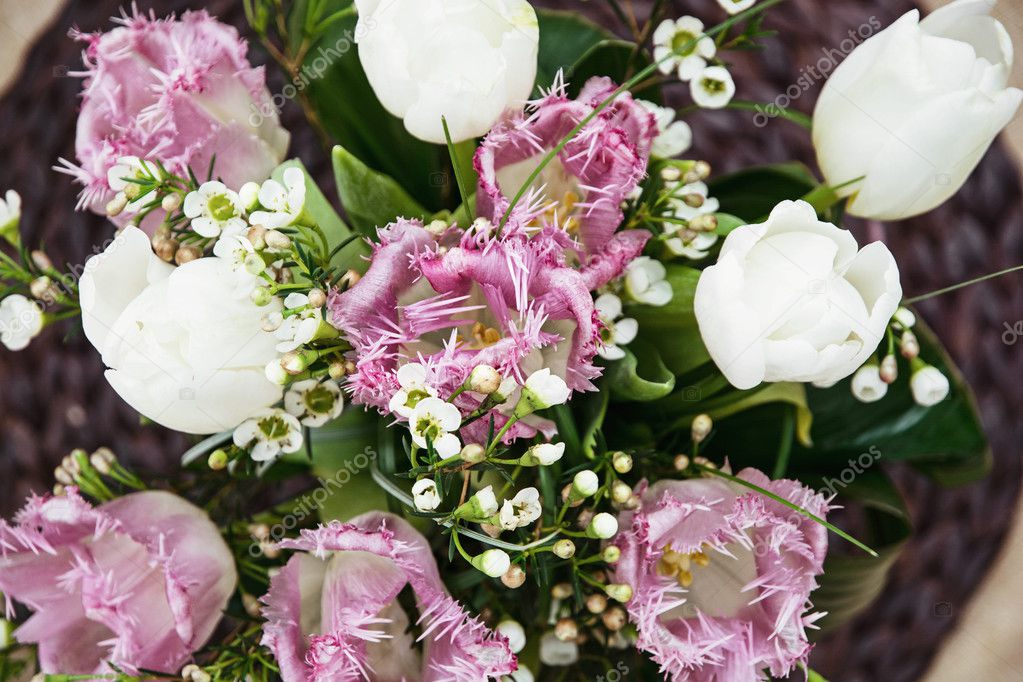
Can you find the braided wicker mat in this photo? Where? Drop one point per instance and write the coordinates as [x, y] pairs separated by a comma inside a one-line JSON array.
[[54, 398]]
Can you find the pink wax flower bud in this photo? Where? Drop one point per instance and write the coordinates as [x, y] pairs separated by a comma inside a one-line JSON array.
[[139, 582]]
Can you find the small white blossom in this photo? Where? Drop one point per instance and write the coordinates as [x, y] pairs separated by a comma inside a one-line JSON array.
[[484, 502], [929, 386], [676, 35], [736, 6], [412, 379], [434, 420], [645, 282], [10, 214], [867, 386], [314, 402], [713, 88], [673, 137], [268, 434], [213, 208], [242, 258], [300, 327], [521, 510], [249, 195], [425, 495], [20, 321], [284, 202], [680, 209], [617, 331]]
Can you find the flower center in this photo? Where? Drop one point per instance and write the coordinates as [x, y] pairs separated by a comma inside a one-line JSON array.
[[414, 395], [273, 427], [712, 85], [429, 428], [683, 39], [220, 207], [679, 565], [319, 400]]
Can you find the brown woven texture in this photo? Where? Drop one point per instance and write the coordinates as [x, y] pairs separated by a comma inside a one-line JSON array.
[[54, 397]]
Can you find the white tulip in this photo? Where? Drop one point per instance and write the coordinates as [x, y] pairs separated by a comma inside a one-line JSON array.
[[465, 60], [929, 386], [913, 109], [794, 299], [181, 348]]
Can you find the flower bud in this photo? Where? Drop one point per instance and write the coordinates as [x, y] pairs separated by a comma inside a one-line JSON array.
[[908, 345], [171, 202], [602, 527], [867, 385], [561, 591], [317, 299], [928, 385], [275, 373], [621, 492], [611, 554], [349, 280], [473, 453], [336, 370], [681, 462], [296, 362], [905, 317], [116, 205], [620, 592], [564, 549], [543, 454], [41, 260], [493, 562], [514, 577], [702, 424], [479, 507], [277, 240], [584, 484], [217, 460], [622, 462], [514, 633], [541, 390], [596, 603], [693, 200], [437, 227], [670, 174], [483, 379], [614, 618], [566, 630], [425, 495], [249, 195], [62, 476], [187, 254], [889, 371], [166, 249], [257, 237], [102, 459]]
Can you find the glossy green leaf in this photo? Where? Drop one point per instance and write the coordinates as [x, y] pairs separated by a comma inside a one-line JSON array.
[[851, 579], [727, 222], [371, 199], [640, 376], [564, 38], [671, 329], [751, 193]]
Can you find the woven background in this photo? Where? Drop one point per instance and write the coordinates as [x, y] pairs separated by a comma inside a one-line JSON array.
[[54, 397]]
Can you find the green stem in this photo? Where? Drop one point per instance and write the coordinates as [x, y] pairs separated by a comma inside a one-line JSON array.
[[624, 87], [961, 285], [795, 507], [788, 430], [456, 166]]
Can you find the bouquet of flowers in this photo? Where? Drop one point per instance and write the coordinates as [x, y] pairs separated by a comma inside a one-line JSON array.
[[542, 398]]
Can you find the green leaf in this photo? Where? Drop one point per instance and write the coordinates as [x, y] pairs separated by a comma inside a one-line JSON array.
[[343, 452], [371, 199], [852, 580], [751, 193], [344, 103], [671, 329], [564, 38], [814, 677], [946, 441], [727, 222], [641, 378], [616, 59], [590, 410]]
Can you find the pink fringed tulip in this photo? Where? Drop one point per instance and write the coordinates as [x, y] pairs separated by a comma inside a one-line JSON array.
[[177, 90], [721, 576], [332, 612], [470, 298], [139, 581], [584, 186]]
